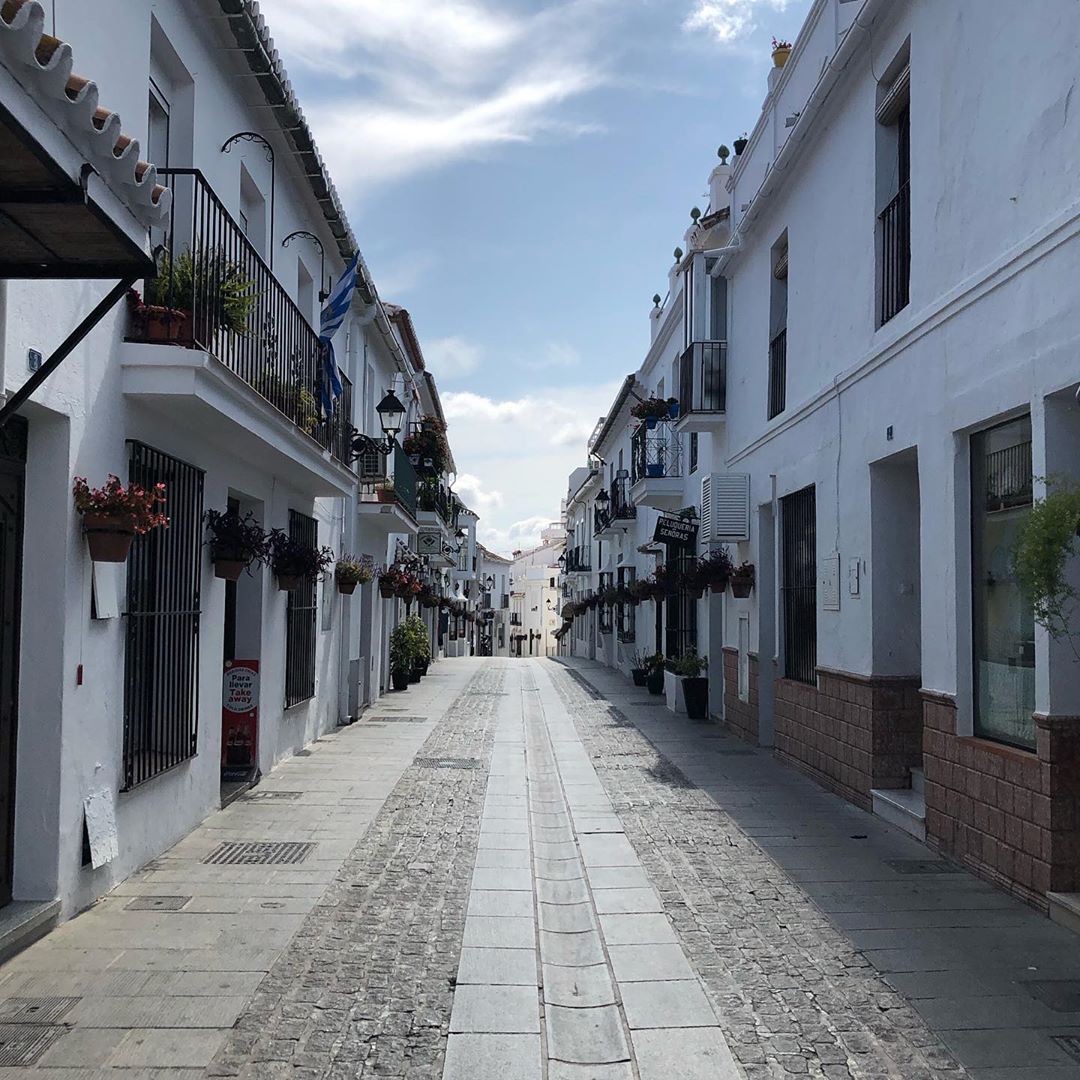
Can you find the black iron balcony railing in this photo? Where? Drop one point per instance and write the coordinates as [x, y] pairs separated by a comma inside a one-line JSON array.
[[515, 619], [895, 254], [215, 292], [436, 499], [703, 378], [618, 508], [578, 560], [655, 453], [778, 374]]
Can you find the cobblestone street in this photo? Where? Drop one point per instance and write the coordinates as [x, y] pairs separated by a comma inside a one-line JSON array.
[[528, 869]]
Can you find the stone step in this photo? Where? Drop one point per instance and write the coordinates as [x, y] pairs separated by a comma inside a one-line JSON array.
[[918, 782], [1065, 909], [22, 922], [903, 807]]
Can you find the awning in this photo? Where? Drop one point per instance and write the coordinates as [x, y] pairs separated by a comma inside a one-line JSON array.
[[75, 200]]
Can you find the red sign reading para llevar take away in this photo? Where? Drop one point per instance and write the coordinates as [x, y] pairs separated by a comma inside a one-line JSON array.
[[240, 716]]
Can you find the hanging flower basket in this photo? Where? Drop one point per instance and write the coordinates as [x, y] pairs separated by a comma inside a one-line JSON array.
[[228, 569], [346, 588], [293, 561], [114, 515], [742, 581], [353, 570], [109, 537], [288, 582]]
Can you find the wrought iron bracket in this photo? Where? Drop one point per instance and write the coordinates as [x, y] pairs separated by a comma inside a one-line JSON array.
[[362, 444]]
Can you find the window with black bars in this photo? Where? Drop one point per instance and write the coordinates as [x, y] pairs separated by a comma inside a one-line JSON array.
[[894, 187], [300, 621], [626, 614], [799, 512], [778, 309], [693, 451], [681, 633], [605, 613], [161, 661]]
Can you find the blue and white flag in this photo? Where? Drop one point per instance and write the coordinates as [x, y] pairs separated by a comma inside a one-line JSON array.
[[333, 315]]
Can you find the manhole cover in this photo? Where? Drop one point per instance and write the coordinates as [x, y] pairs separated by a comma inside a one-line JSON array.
[[270, 796], [157, 903], [1070, 1044], [447, 762], [1061, 995], [23, 1044], [921, 866], [258, 853], [36, 1010]]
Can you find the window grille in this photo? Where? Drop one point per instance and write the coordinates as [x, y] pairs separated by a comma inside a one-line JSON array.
[[800, 585], [778, 374], [300, 621], [161, 661], [626, 614], [681, 637]]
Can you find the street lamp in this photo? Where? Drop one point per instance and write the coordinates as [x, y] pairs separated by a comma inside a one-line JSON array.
[[391, 415]]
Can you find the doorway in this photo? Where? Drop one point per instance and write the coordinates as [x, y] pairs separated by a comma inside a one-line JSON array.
[[12, 476]]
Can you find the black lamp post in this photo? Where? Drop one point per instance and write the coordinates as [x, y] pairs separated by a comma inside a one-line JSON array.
[[391, 415], [254, 136]]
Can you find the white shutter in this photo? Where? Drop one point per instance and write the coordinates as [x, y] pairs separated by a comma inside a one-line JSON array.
[[725, 507]]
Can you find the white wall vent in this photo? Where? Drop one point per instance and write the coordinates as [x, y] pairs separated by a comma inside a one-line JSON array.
[[725, 507]]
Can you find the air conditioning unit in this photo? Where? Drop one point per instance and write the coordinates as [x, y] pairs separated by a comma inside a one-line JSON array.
[[725, 507]]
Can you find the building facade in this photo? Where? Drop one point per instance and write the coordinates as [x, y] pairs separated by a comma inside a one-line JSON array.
[[879, 367], [204, 378]]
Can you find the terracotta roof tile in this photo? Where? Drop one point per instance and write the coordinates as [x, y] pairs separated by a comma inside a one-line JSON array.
[[42, 64]]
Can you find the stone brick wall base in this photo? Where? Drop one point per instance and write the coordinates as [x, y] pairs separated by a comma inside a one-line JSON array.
[[740, 716], [851, 732], [1010, 816]]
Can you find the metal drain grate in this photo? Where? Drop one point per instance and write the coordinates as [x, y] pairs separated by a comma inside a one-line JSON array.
[[447, 762], [734, 753], [36, 1010], [1070, 1044], [921, 866], [23, 1044], [398, 719], [302, 753], [157, 903], [270, 796], [259, 853]]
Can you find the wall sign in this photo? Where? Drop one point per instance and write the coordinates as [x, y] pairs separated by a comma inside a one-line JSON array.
[[676, 532], [429, 543], [239, 719]]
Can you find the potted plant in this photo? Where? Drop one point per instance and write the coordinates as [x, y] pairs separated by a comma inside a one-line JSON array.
[[353, 570], [640, 671], [781, 52], [740, 144], [639, 590], [716, 568], [694, 581], [420, 643], [654, 677], [695, 686], [401, 656], [294, 561], [427, 447], [742, 580], [236, 541], [207, 290], [652, 410], [384, 490], [113, 515]]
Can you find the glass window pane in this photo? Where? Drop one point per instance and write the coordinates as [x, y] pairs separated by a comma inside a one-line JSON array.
[[1004, 623]]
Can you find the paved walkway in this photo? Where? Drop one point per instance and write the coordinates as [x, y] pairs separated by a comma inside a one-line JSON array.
[[524, 870]]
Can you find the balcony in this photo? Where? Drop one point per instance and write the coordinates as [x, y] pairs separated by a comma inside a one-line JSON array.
[[436, 504], [578, 561], [702, 386], [619, 511], [657, 476], [387, 502], [243, 362]]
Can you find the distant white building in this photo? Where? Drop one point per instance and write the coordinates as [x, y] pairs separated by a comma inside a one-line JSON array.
[[871, 334], [534, 600]]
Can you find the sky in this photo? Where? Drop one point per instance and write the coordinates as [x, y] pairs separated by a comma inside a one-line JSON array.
[[518, 174]]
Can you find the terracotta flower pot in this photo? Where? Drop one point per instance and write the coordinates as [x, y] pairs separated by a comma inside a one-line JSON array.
[[717, 586], [163, 324], [347, 588], [228, 569], [781, 56], [385, 495], [387, 590], [108, 537], [741, 587], [288, 582]]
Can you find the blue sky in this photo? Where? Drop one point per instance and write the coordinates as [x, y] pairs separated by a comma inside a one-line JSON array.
[[518, 173]]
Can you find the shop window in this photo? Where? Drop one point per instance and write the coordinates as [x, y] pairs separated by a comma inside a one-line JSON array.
[[1003, 617]]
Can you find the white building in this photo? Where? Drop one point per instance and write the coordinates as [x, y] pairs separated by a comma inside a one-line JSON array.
[[494, 574], [878, 336], [113, 680], [534, 598]]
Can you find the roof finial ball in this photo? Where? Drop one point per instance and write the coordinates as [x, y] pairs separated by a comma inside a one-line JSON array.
[[694, 215], [678, 254], [656, 300], [723, 154]]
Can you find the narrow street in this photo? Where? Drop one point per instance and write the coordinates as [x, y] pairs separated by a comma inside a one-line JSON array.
[[523, 869]]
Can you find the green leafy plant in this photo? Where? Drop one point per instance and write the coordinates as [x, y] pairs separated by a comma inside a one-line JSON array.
[[235, 536], [652, 409], [1046, 543], [354, 569], [690, 666], [292, 558], [223, 292], [419, 639], [401, 650], [654, 663]]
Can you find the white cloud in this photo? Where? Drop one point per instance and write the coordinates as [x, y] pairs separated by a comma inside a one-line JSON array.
[[558, 355], [727, 20], [451, 357], [426, 82], [516, 454]]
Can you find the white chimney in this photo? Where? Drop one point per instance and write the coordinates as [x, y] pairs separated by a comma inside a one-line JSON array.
[[718, 193]]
